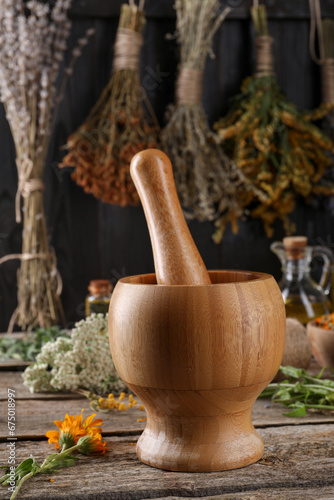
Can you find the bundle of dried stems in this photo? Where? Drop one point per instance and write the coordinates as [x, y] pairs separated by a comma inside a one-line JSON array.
[[273, 142], [116, 129], [32, 43], [209, 185]]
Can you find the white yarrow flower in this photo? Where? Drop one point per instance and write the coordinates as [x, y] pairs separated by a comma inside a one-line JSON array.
[[81, 361]]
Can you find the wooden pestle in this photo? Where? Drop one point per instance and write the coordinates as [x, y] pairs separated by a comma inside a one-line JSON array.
[[176, 258]]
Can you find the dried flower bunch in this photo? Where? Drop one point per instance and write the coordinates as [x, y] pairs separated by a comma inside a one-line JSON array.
[[110, 403], [209, 185], [74, 435], [82, 360], [32, 43], [272, 142], [116, 129]]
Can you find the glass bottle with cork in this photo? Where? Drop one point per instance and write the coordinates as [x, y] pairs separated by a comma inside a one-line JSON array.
[[99, 297], [304, 298]]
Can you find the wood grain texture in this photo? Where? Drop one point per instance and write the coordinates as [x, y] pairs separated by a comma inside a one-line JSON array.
[[14, 381], [318, 492], [34, 417], [176, 258], [295, 459], [198, 357]]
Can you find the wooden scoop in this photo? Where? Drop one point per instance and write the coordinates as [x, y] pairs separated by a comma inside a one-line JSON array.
[[176, 258]]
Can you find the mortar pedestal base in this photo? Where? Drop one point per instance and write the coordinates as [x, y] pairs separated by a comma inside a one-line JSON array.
[[197, 431]]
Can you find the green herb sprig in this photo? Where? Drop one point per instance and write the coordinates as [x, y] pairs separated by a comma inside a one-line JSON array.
[[27, 348], [30, 467], [301, 391]]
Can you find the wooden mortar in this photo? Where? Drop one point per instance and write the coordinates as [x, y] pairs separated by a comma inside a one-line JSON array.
[[197, 355]]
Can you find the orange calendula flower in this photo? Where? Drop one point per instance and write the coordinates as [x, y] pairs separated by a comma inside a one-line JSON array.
[[92, 444], [90, 424], [69, 432], [72, 428]]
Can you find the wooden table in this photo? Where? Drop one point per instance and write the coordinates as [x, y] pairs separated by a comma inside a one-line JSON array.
[[298, 461]]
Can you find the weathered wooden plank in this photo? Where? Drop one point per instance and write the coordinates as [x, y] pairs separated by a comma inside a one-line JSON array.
[[11, 364], [318, 493], [295, 459], [35, 416], [13, 380], [164, 8]]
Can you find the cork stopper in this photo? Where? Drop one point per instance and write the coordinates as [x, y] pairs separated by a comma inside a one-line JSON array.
[[99, 287], [295, 246]]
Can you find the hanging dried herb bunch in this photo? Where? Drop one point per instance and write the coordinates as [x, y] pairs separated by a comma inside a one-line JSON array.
[[273, 142], [116, 129], [32, 44], [210, 186]]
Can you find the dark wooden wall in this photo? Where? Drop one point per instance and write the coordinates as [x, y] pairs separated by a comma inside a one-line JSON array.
[[96, 240]]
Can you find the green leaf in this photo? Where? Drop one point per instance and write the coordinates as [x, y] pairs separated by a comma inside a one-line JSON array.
[[290, 371], [301, 391], [28, 347], [298, 412], [25, 464]]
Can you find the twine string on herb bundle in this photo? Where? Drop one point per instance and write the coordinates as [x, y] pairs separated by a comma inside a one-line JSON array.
[[264, 55], [127, 49], [116, 128], [263, 42], [26, 185], [209, 185], [189, 86]]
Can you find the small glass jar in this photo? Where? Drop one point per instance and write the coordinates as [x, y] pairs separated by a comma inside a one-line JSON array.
[[99, 297], [304, 299]]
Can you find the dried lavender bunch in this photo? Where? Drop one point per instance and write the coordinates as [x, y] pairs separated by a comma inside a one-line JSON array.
[[32, 44], [209, 185]]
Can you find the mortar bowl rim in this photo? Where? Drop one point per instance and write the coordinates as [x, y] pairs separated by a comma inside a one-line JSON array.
[[253, 277]]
